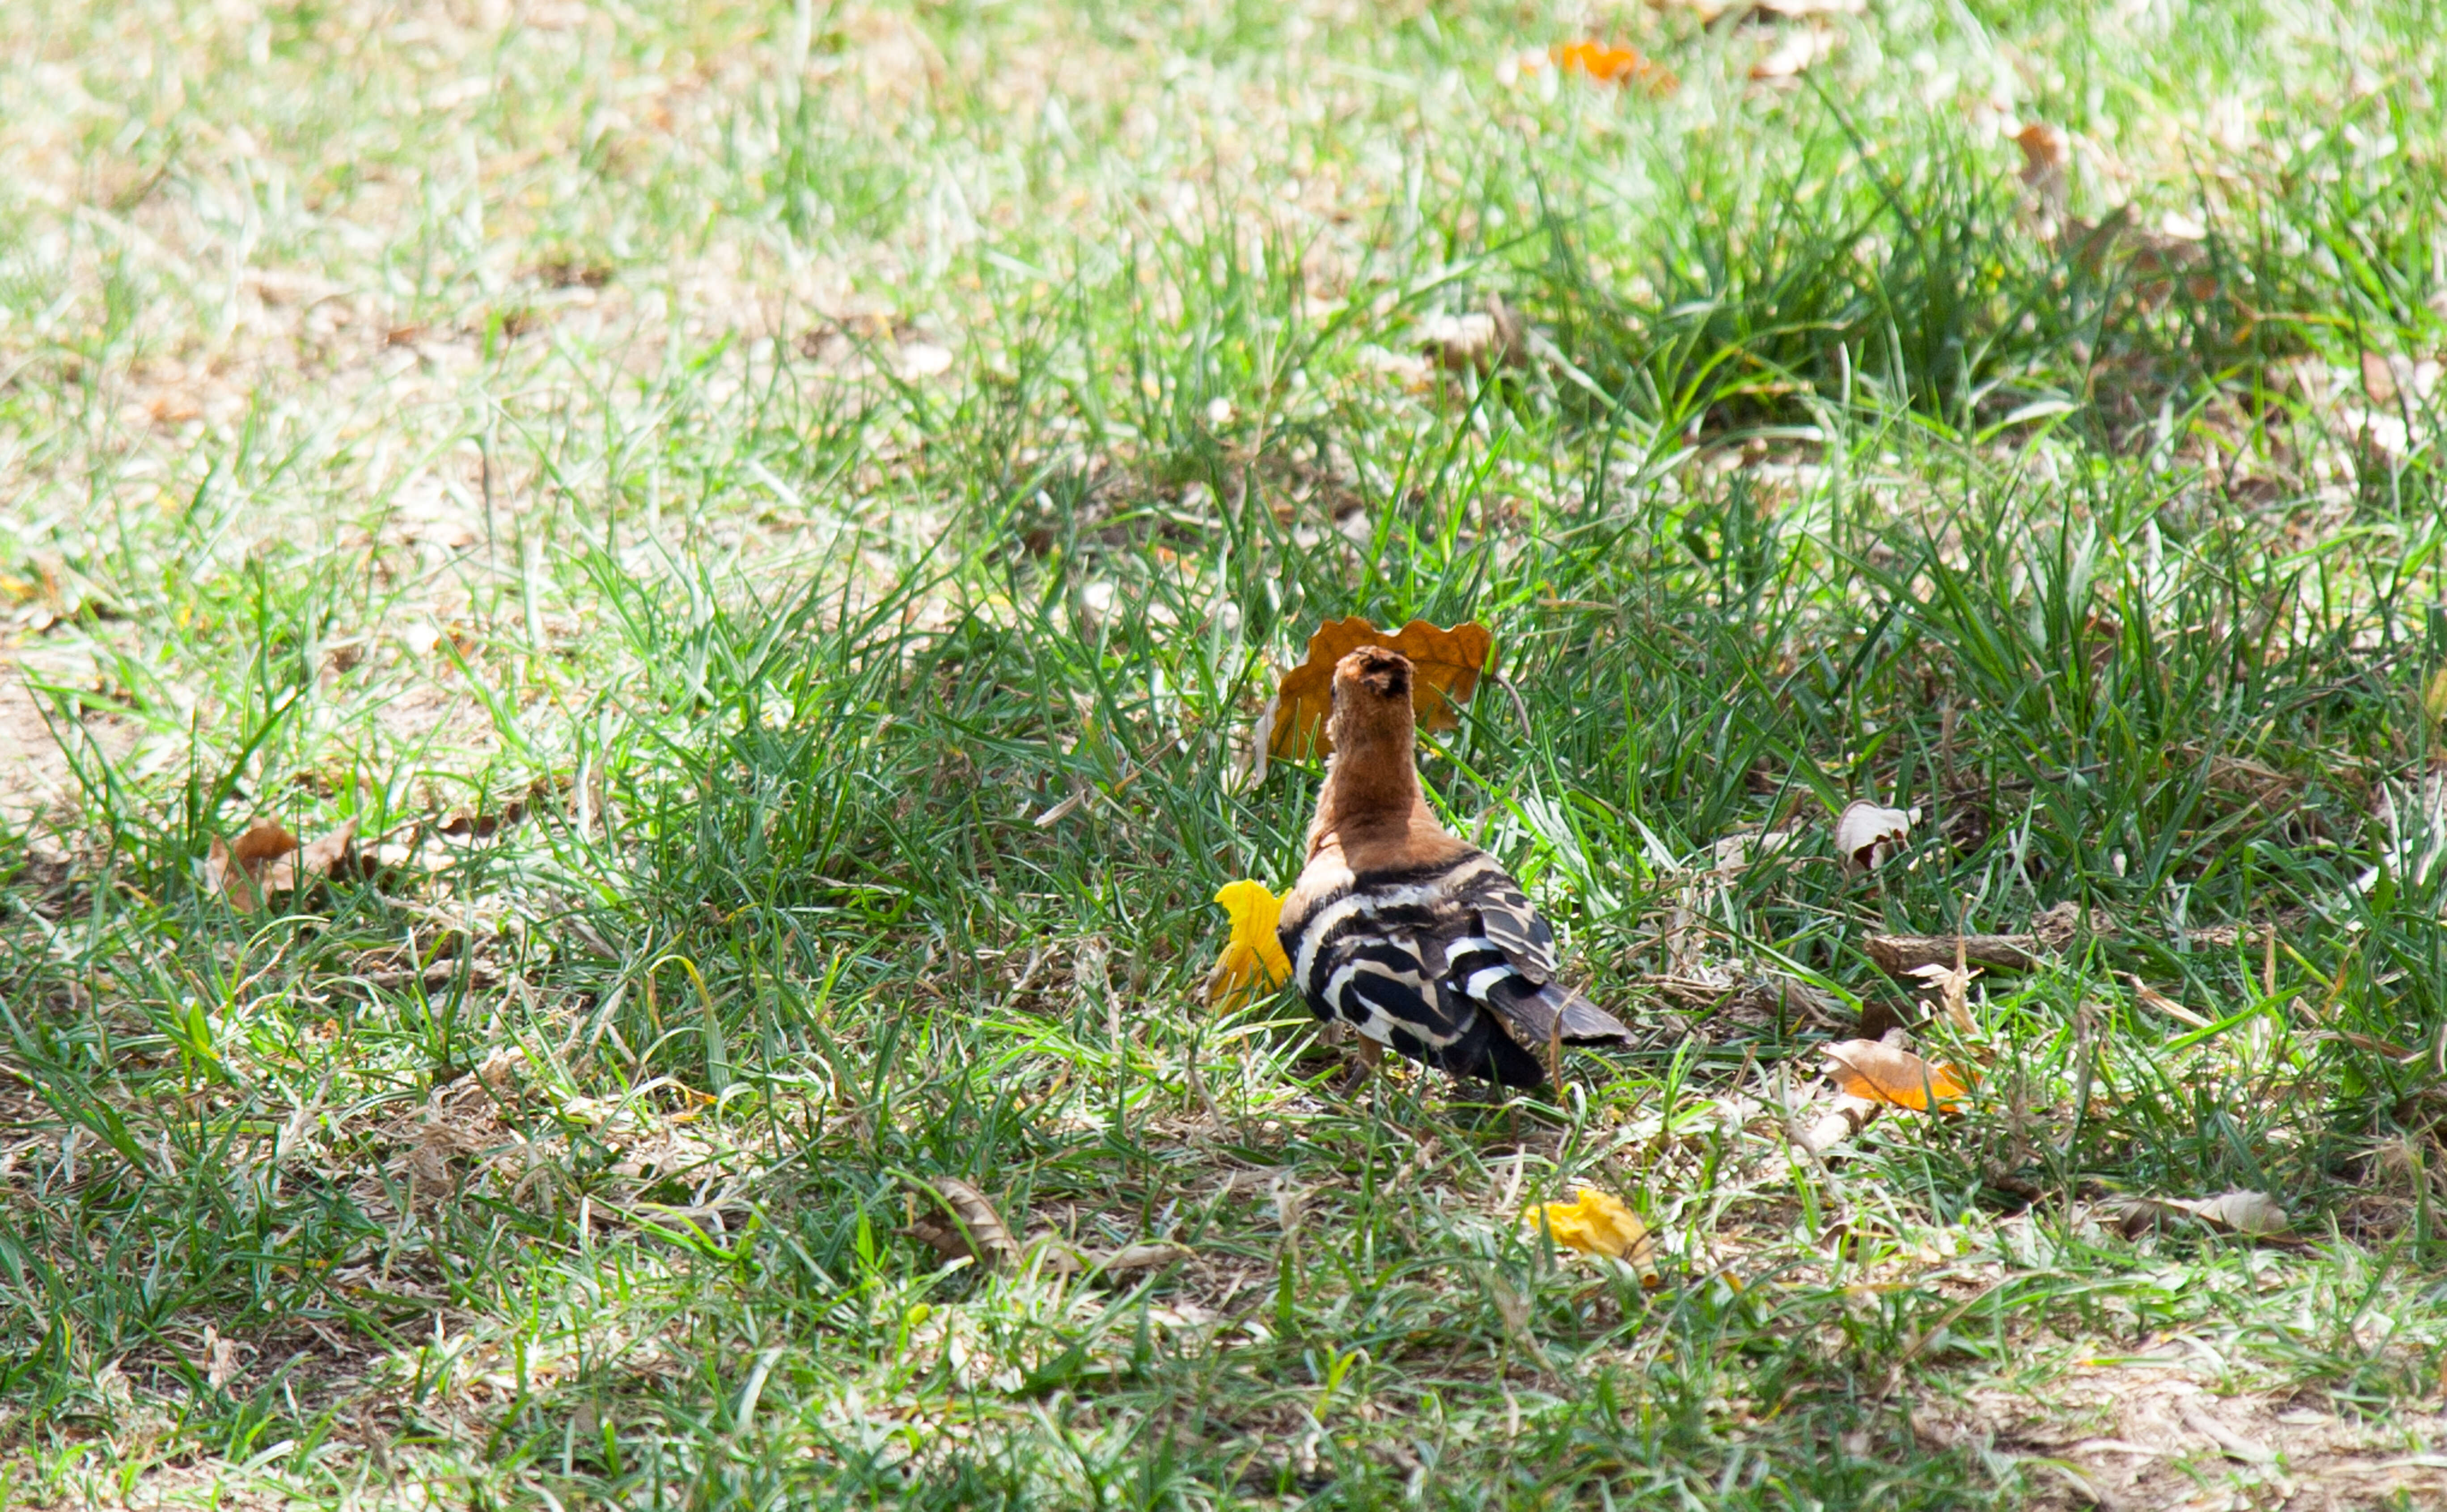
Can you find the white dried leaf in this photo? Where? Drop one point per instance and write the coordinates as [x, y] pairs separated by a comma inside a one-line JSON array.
[[2240, 1212], [220, 1358], [1477, 341], [1735, 852], [1796, 51], [1139, 1257], [1865, 834], [1953, 985], [1410, 370], [2251, 1214]]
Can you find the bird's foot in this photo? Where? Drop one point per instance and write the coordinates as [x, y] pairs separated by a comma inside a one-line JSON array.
[[1365, 1053]]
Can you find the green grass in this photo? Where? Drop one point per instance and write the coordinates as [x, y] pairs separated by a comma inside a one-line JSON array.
[[535, 444]]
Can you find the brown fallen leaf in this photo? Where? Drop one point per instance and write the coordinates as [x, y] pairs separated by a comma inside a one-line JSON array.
[[1448, 663], [316, 860], [966, 1228], [1886, 1073], [263, 839], [467, 823], [232, 869], [2390, 378]]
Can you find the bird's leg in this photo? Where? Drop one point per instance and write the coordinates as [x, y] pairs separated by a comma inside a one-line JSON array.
[[1366, 1052]]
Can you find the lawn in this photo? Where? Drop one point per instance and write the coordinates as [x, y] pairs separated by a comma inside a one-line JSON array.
[[755, 539]]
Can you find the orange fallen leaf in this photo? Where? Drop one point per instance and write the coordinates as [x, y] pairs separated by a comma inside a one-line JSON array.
[[1607, 62], [1883, 1073], [2046, 150], [1448, 663]]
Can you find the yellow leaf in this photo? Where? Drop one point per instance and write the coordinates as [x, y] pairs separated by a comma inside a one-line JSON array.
[[1883, 1073], [1596, 1223], [1448, 663], [1253, 961]]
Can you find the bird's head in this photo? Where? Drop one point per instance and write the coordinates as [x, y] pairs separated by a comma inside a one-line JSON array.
[[1371, 699]]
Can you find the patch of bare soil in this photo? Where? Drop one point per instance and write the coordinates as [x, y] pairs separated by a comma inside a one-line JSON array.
[[2144, 1432], [33, 771]]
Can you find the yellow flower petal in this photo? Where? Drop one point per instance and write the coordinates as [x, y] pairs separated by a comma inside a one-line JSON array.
[[1253, 959], [1596, 1223]]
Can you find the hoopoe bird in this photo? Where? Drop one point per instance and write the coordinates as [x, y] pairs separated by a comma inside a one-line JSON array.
[[1413, 937]]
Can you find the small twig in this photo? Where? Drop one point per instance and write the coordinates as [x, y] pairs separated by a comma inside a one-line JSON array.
[[1519, 709]]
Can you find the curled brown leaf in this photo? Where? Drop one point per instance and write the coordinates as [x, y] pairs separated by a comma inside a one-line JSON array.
[[965, 1225], [268, 860]]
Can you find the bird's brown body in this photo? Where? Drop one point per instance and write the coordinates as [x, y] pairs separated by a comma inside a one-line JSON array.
[[1413, 937]]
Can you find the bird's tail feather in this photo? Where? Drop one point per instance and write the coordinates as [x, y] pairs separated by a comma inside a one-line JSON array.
[[1533, 1018], [1586, 1023]]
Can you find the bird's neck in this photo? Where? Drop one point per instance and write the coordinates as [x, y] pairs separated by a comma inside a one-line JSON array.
[[1372, 808]]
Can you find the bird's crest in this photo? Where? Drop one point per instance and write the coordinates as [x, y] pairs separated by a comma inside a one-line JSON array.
[[1371, 702], [1385, 673]]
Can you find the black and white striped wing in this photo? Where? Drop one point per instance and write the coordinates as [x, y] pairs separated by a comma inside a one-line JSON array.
[[1376, 955], [1507, 920], [1448, 965], [1507, 964]]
